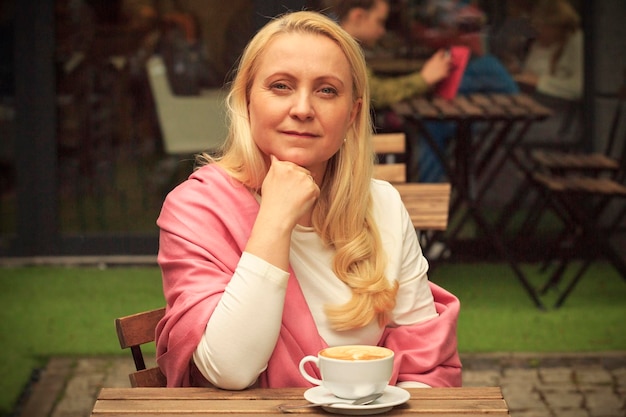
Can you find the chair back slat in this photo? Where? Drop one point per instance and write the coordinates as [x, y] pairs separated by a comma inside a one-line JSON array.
[[137, 329], [152, 377], [386, 143]]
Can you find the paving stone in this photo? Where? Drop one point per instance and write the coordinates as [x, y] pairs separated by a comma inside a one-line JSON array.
[[481, 379], [563, 399], [49, 388], [532, 413], [619, 375], [603, 400], [558, 375], [593, 375], [522, 399], [82, 389], [570, 412], [529, 376]]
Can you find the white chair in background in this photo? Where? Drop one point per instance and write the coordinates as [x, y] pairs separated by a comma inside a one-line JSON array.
[[189, 124]]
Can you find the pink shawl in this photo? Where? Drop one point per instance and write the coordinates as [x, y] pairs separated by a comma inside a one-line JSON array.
[[205, 223]]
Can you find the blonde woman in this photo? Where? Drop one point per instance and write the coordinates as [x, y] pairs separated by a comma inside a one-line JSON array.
[[554, 63], [285, 244]]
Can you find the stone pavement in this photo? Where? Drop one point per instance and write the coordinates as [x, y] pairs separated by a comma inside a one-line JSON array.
[[534, 385]]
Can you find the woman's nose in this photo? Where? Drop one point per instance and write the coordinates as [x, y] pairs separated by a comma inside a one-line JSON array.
[[302, 107]]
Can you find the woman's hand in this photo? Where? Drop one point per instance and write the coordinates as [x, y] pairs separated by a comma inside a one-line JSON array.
[[527, 78], [288, 191], [436, 68], [287, 197]]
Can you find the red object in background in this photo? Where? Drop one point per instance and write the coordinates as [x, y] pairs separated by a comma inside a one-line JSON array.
[[448, 87]]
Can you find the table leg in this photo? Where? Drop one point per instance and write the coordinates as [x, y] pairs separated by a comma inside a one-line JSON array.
[[462, 179]]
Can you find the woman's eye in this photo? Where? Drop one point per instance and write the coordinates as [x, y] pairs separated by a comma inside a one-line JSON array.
[[279, 86], [328, 91]]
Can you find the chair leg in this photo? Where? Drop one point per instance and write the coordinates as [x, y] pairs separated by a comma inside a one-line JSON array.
[[570, 287]]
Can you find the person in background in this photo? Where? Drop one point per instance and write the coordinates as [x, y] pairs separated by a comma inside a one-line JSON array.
[[365, 21], [284, 244], [441, 23], [553, 71], [554, 63]]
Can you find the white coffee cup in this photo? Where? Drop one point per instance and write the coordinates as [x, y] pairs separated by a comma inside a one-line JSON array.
[[351, 371]]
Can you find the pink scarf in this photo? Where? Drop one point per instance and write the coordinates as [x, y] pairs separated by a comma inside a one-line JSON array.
[[205, 223]]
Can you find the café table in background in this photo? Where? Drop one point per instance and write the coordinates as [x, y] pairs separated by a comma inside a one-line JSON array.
[[487, 127], [133, 402], [395, 66]]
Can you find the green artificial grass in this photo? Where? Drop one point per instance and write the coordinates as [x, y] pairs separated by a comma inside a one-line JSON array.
[[49, 311]]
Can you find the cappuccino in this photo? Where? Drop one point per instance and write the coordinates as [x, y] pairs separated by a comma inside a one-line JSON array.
[[356, 353], [351, 371]]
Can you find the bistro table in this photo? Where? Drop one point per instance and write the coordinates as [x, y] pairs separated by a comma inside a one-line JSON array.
[[488, 127], [135, 402]]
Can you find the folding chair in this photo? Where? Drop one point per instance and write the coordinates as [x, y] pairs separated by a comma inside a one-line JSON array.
[[581, 202], [559, 162], [136, 330]]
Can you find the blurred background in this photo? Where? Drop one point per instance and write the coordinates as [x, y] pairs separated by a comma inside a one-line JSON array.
[[84, 157]]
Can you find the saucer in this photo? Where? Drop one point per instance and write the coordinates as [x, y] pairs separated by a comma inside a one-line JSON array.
[[391, 397]]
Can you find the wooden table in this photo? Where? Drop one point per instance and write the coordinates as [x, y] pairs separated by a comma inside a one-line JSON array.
[[479, 154], [395, 66], [136, 402]]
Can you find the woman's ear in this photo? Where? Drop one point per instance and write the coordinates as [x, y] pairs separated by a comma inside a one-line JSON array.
[[356, 15], [356, 109]]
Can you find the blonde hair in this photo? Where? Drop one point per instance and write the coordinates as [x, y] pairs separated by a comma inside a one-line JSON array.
[[342, 215], [556, 13], [561, 15]]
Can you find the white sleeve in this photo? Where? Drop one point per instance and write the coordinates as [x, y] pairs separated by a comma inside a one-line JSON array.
[[242, 331]]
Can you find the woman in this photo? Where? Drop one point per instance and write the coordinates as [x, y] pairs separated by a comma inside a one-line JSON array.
[[553, 72], [554, 63], [285, 245]]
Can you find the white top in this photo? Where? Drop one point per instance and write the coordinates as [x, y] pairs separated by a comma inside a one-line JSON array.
[[567, 80], [255, 280]]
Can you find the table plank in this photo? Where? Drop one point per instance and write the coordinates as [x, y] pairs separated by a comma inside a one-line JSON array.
[[137, 402], [214, 406], [468, 107], [283, 393], [447, 108]]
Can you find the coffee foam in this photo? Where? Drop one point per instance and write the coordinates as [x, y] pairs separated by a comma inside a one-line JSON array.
[[356, 352]]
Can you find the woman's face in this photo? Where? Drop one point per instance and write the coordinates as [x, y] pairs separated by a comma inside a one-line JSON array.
[[301, 102], [548, 34], [369, 25]]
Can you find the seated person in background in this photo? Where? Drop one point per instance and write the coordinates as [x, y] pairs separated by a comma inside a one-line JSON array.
[[553, 70], [444, 23], [554, 63], [284, 244], [365, 21]]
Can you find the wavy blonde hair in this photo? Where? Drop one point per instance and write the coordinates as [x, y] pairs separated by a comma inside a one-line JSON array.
[[342, 215]]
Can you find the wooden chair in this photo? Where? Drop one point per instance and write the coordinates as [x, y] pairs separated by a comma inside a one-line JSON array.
[[427, 204], [136, 330], [593, 163], [554, 162], [583, 203]]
